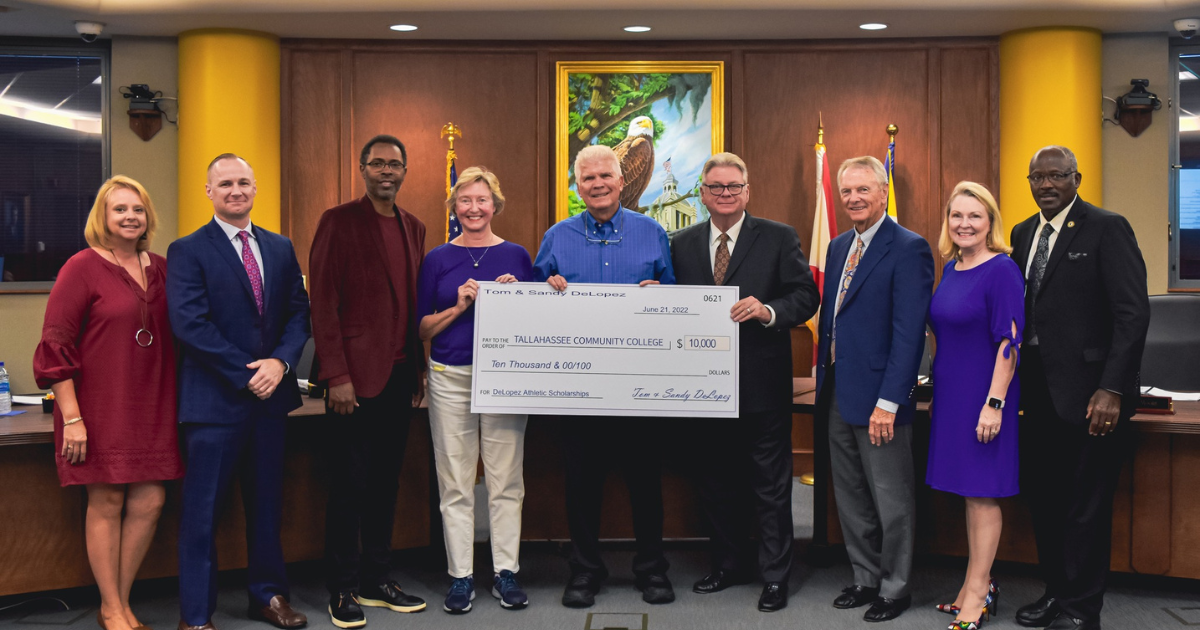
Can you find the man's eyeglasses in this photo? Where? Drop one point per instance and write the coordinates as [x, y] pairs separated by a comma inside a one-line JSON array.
[[1057, 178], [717, 189], [377, 165]]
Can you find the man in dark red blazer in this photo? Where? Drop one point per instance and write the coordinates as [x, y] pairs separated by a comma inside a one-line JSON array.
[[363, 266]]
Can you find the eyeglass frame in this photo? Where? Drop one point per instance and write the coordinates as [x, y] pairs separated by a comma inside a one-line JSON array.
[[722, 188], [1056, 178], [389, 164]]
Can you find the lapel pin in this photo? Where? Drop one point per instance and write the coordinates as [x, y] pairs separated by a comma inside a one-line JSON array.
[[1070, 224]]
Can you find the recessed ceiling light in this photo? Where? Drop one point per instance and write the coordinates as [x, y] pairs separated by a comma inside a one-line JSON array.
[[403, 28], [872, 26], [637, 29]]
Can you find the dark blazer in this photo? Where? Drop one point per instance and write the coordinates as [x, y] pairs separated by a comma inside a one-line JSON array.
[[1091, 311], [216, 321], [354, 298], [767, 262], [881, 325]]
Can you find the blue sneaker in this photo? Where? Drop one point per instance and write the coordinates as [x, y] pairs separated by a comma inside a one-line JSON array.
[[506, 589], [458, 600]]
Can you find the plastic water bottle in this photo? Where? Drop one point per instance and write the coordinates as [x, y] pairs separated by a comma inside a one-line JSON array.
[[5, 395]]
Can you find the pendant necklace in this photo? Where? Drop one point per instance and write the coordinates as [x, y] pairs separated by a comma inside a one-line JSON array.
[[473, 258], [149, 338]]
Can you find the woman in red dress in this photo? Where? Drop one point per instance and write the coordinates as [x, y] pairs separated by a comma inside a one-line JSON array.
[[107, 353]]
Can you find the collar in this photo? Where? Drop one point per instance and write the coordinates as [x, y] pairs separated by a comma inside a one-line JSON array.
[[590, 223], [714, 232], [231, 231], [1058, 219], [870, 232]]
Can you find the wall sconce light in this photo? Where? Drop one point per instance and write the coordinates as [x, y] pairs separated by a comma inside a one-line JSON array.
[[1136, 107], [145, 118]]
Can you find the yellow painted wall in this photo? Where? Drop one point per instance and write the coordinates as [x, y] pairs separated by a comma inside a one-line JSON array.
[[229, 103], [1136, 170], [1049, 94]]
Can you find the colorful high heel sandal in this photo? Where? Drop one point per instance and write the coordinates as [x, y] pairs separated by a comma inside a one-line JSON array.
[[951, 609]]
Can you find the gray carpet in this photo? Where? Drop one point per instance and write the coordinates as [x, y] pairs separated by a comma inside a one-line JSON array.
[[1131, 603]]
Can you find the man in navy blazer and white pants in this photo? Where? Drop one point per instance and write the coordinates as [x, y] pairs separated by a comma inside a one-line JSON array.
[[872, 334], [239, 310]]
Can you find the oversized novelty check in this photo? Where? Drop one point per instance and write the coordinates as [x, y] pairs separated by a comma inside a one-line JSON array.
[[606, 349]]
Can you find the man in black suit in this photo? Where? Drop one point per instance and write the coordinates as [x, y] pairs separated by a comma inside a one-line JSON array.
[[1086, 314], [750, 455]]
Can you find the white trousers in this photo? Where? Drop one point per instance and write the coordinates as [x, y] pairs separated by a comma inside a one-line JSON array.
[[458, 435]]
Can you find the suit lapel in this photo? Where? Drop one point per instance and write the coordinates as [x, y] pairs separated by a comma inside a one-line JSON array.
[[839, 248], [880, 246], [225, 251], [1071, 226], [742, 248], [700, 255], [1022, 244]]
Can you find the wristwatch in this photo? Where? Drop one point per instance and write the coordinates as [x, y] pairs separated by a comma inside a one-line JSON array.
[[995, 403]]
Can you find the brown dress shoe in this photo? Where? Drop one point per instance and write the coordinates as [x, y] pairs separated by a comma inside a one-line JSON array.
[[280, 614], [183, 625]]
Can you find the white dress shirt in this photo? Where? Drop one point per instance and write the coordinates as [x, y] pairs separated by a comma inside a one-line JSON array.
[[231, 231], [867, 236], [714, 240]]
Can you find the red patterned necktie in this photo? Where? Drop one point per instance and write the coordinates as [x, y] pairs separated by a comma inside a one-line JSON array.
[[252, 270]]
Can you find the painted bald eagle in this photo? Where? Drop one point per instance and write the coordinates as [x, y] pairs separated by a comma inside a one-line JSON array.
[[636, 153]]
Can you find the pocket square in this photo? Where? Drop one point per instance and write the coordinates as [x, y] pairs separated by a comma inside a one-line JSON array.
[[1076, 255]]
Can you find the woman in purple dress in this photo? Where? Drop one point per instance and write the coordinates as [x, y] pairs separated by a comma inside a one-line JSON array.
[[977, 315]]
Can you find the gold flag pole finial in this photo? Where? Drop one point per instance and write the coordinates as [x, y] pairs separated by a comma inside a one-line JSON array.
[[820, 129], [892, 131], [452, 131]]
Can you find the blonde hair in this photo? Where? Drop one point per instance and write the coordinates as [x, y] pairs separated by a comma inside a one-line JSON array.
[[726, 159], [995, 236], [865, 162], [596, 152], [474, 175], [96, 232]]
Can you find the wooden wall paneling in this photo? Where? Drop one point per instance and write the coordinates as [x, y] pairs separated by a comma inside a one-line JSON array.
[[544, 215], [492, 96], [967, 137], [1185, 515], [312, 160]]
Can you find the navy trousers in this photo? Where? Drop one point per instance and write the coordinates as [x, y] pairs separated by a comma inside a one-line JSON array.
[[215, 453]]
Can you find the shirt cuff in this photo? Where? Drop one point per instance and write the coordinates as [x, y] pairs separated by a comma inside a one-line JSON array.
[[772, 322], [887, 405], [1113, 391]]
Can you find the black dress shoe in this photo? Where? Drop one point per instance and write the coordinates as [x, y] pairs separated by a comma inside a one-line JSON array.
[[716, 582], [655, 588], [886, 608], [855, 596], [1066, 622], [773, 598], [581, 590], [1039, 614]]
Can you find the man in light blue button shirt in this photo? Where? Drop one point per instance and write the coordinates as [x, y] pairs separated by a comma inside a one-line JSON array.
[[609, 244]]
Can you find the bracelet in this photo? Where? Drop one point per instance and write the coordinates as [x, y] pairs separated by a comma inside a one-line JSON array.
[[72, 421]]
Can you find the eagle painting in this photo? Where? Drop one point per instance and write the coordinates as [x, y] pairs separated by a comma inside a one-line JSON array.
[[636, 153]]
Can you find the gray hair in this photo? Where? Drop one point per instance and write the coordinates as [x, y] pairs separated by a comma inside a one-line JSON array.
[[726, 159], [1067, 153], [597, 152], [867, 162]]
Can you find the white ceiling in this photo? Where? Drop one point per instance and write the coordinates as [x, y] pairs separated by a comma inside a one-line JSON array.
[[571, 20]]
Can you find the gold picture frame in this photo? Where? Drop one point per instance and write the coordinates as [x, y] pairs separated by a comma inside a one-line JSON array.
[[684, 102]]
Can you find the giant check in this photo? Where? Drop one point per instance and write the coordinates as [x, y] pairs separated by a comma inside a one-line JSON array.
[[606, 349]]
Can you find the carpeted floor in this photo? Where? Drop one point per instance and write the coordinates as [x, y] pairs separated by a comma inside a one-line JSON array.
[[1132, 603]]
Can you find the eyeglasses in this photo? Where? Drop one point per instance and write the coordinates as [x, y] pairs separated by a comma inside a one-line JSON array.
[[1057, 178], [377, 165], [597, 239], [717, 189]]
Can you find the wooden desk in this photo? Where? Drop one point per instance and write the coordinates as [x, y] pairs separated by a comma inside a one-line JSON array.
[[1156, 516]]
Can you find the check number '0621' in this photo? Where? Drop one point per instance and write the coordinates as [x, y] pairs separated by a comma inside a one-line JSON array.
[[696, 342]]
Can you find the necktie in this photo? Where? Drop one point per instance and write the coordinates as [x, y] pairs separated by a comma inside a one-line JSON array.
[[851, 265], [722, 262], [1036, 272], [252, 271]]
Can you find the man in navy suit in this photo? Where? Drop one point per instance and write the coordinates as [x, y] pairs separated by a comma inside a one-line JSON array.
[[240, 312], [872, 334]]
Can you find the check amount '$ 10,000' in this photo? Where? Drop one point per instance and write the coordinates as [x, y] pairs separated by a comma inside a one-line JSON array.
[[603, 349]]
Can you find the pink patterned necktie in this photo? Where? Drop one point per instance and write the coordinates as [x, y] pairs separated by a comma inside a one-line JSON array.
[[252, 270]]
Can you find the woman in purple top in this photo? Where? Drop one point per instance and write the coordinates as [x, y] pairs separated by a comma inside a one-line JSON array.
[[977, 315], [446, 295]]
